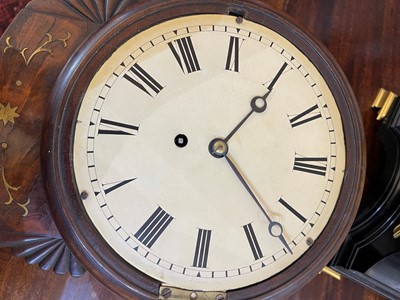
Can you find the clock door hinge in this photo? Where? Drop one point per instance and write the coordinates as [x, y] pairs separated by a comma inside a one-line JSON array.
[[172, 293]]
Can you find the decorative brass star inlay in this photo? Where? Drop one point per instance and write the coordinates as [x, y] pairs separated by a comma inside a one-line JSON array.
[[7, 114]]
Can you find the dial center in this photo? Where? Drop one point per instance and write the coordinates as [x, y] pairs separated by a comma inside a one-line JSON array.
[[218, 148]]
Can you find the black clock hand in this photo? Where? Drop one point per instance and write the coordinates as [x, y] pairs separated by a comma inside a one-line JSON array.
[[258, 104], [275, 228], [219, 148]]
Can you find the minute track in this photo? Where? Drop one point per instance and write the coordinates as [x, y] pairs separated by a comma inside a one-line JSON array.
[[264, 245]]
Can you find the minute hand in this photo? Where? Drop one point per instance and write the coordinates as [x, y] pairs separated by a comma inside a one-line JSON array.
[[255, 103], [275, 228]]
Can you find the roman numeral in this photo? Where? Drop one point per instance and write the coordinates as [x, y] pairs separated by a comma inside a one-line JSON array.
[[153, 227], [116, 128], [141, 79], [184, 53], [232, 61], [306, 116], [202, 247], [251, 238], [292, 210], [108, 188], [312, 165]]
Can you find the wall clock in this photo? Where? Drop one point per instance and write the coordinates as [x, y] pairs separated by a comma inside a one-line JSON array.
[[203, 147]]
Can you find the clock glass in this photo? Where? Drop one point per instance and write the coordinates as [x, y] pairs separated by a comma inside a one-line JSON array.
[[210, 151]]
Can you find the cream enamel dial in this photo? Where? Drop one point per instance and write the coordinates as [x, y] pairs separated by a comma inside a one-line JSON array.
[[212, 152]]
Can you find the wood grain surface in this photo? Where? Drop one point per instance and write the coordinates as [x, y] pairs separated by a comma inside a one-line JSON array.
[[363, 36], [21, 281]]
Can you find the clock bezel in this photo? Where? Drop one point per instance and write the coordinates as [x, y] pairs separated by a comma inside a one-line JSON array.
[[64, 200]]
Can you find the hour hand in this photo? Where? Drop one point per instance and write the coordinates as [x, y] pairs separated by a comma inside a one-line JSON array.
[[259, 103]]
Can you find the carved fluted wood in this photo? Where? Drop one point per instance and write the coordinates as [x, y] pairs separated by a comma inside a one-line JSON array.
[[48, 252]]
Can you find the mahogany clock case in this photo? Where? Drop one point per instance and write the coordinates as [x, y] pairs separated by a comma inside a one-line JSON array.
[[65, 201]]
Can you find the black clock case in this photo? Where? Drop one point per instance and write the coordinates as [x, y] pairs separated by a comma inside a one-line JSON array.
[[370, 255]]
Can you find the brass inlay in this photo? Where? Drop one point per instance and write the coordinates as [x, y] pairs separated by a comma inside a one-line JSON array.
[[11, 199], [332, 273], [8, 113], [396, 232], [384, 101], [42, 48]]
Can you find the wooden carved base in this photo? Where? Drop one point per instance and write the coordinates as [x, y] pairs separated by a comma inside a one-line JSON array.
[[49, 253]]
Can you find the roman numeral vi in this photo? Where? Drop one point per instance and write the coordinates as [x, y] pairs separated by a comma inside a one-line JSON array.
[[202, 248]]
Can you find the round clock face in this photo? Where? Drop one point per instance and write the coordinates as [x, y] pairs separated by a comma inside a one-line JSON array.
[[210, 152]]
